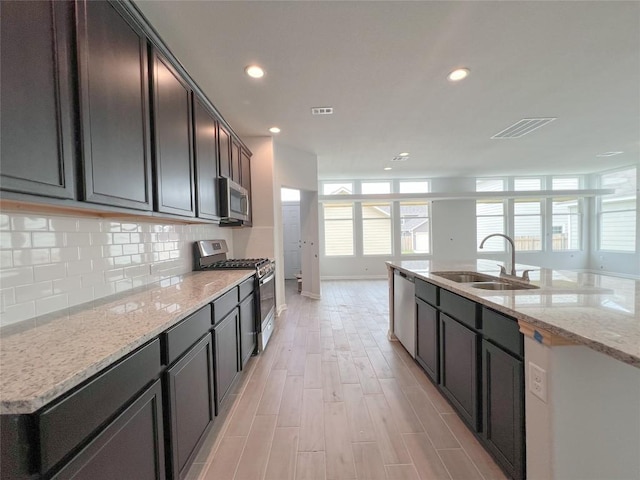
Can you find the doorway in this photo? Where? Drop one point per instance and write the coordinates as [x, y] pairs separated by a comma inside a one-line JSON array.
[[291, 237]]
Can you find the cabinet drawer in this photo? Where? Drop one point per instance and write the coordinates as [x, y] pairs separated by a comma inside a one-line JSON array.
[[460, 308], [224, 304], [246, 288], [503, 331], [427, 292], [66, 424], [181, 336]]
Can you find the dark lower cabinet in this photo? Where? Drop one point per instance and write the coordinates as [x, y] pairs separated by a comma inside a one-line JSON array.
[[191, 404], [459, 368], [248, 339], [37, 147], [427, 352], [173, 149], [225, 335], [132, 446], [114, 106], [503, 408]]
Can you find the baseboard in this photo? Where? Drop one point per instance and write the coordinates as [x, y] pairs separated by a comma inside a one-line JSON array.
[[280, 309], [314, 296], [356, 277]]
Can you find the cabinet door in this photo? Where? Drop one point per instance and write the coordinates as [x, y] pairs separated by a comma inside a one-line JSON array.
[[191, 404], [245, 177], [114, 107], [173, 154], [235, 162], [37, 147], [248, 339], [132, 446], [503, 408], [225, 153], [225, 336], [427, 352], [459, 367], [206, 148]]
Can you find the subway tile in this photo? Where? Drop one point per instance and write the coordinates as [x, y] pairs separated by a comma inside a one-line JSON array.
[[90, 253], [47, 239], [51, 271], [135, 237], [104, 290], [79, 267], [5, 222], [51, 304], [120, 238], [66, 254], [14, 277], [18, 312], [31, 256], [34, 291], [6, 259], [141, 281], [67, 285], [7, 298], [78, 239], [137, 271], [122, 261], [111, 250], [162, 256], [102, 264], [174, 254], [130, 227], [113, 275], [80, 295], [110, 227], [63, 224], [91, 279], [123, 285], [130, 249], [29, 222], [99, 239], [14, 240], [88, 225]]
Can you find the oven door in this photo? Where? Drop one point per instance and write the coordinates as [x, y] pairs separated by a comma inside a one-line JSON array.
[[267, 295]]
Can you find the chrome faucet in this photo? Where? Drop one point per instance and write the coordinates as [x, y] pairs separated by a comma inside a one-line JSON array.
[[503, 271]]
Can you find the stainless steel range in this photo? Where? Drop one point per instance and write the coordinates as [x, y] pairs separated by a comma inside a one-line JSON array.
[[212, 254]]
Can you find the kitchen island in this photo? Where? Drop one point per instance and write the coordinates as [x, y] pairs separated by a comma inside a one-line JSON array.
[[582, 330]]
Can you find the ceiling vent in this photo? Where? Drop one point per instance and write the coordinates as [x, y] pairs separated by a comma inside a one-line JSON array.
[[321, 110], [400, 158], [522, 127]]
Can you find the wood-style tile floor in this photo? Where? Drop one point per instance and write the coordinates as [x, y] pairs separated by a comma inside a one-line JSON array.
[[332, 398]]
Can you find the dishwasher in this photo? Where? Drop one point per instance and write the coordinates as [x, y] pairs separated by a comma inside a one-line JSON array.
[[404, 311]]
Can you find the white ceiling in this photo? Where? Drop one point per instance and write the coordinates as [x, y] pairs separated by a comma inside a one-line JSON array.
[[382, 66]]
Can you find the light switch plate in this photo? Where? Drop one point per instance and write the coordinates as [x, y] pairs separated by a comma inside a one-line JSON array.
[[538, 381]]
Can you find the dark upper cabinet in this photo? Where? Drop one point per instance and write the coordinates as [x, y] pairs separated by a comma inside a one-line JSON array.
[[114, 107], [427, 335], [225, 152], [206, 149], [235, 162], [503, 408], [191, 404], [245, 181], [173, 152], [459, 368], [37, 147]]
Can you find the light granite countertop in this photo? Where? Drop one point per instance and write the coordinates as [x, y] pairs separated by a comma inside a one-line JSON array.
[[599, 311], [42, 358]]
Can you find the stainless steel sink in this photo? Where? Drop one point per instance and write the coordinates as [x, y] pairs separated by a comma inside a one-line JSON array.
[[483, 281], [465, 277]]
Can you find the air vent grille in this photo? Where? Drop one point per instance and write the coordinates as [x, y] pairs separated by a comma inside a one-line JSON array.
[[400, 158], [321, 110], [522, 127]]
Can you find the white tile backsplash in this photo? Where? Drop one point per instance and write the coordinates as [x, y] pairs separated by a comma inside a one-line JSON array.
[[52, 262]]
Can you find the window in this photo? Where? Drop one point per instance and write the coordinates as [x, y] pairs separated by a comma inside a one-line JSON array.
[[407, 186], [566, 224], [335, 188], [527, 225], [489, 185], [338, 229], [289, 195], [490, 219], [617, 212], [415, 228], [376, 228], [525, 184], [375, 187], [565, 183]]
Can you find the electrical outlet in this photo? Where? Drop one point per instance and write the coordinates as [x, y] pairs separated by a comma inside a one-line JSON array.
[[538, 381]]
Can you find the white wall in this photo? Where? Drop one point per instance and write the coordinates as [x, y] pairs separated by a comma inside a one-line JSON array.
[[52, 262]]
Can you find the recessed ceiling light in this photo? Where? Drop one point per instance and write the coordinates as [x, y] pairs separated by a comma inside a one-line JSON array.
[[387, 168], [274, 130], [458, 74], [608, 154], [404, 154], [254, 71]]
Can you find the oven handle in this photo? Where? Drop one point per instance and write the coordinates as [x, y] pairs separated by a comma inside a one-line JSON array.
[[267, 279]]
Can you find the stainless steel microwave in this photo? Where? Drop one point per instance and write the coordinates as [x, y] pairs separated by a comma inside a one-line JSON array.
[[234, 202]]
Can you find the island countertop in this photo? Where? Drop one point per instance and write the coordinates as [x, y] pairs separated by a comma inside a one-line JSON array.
[[42, 358], [599, 311]]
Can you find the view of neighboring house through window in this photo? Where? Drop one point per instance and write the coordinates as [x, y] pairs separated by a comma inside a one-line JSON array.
[[338, 221], [490, 215], [617, 215], [376, 228], [566, 216], [527, 216], [414, 227]]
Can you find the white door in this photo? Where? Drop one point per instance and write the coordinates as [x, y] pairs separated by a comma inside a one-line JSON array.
[[291, 237]]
